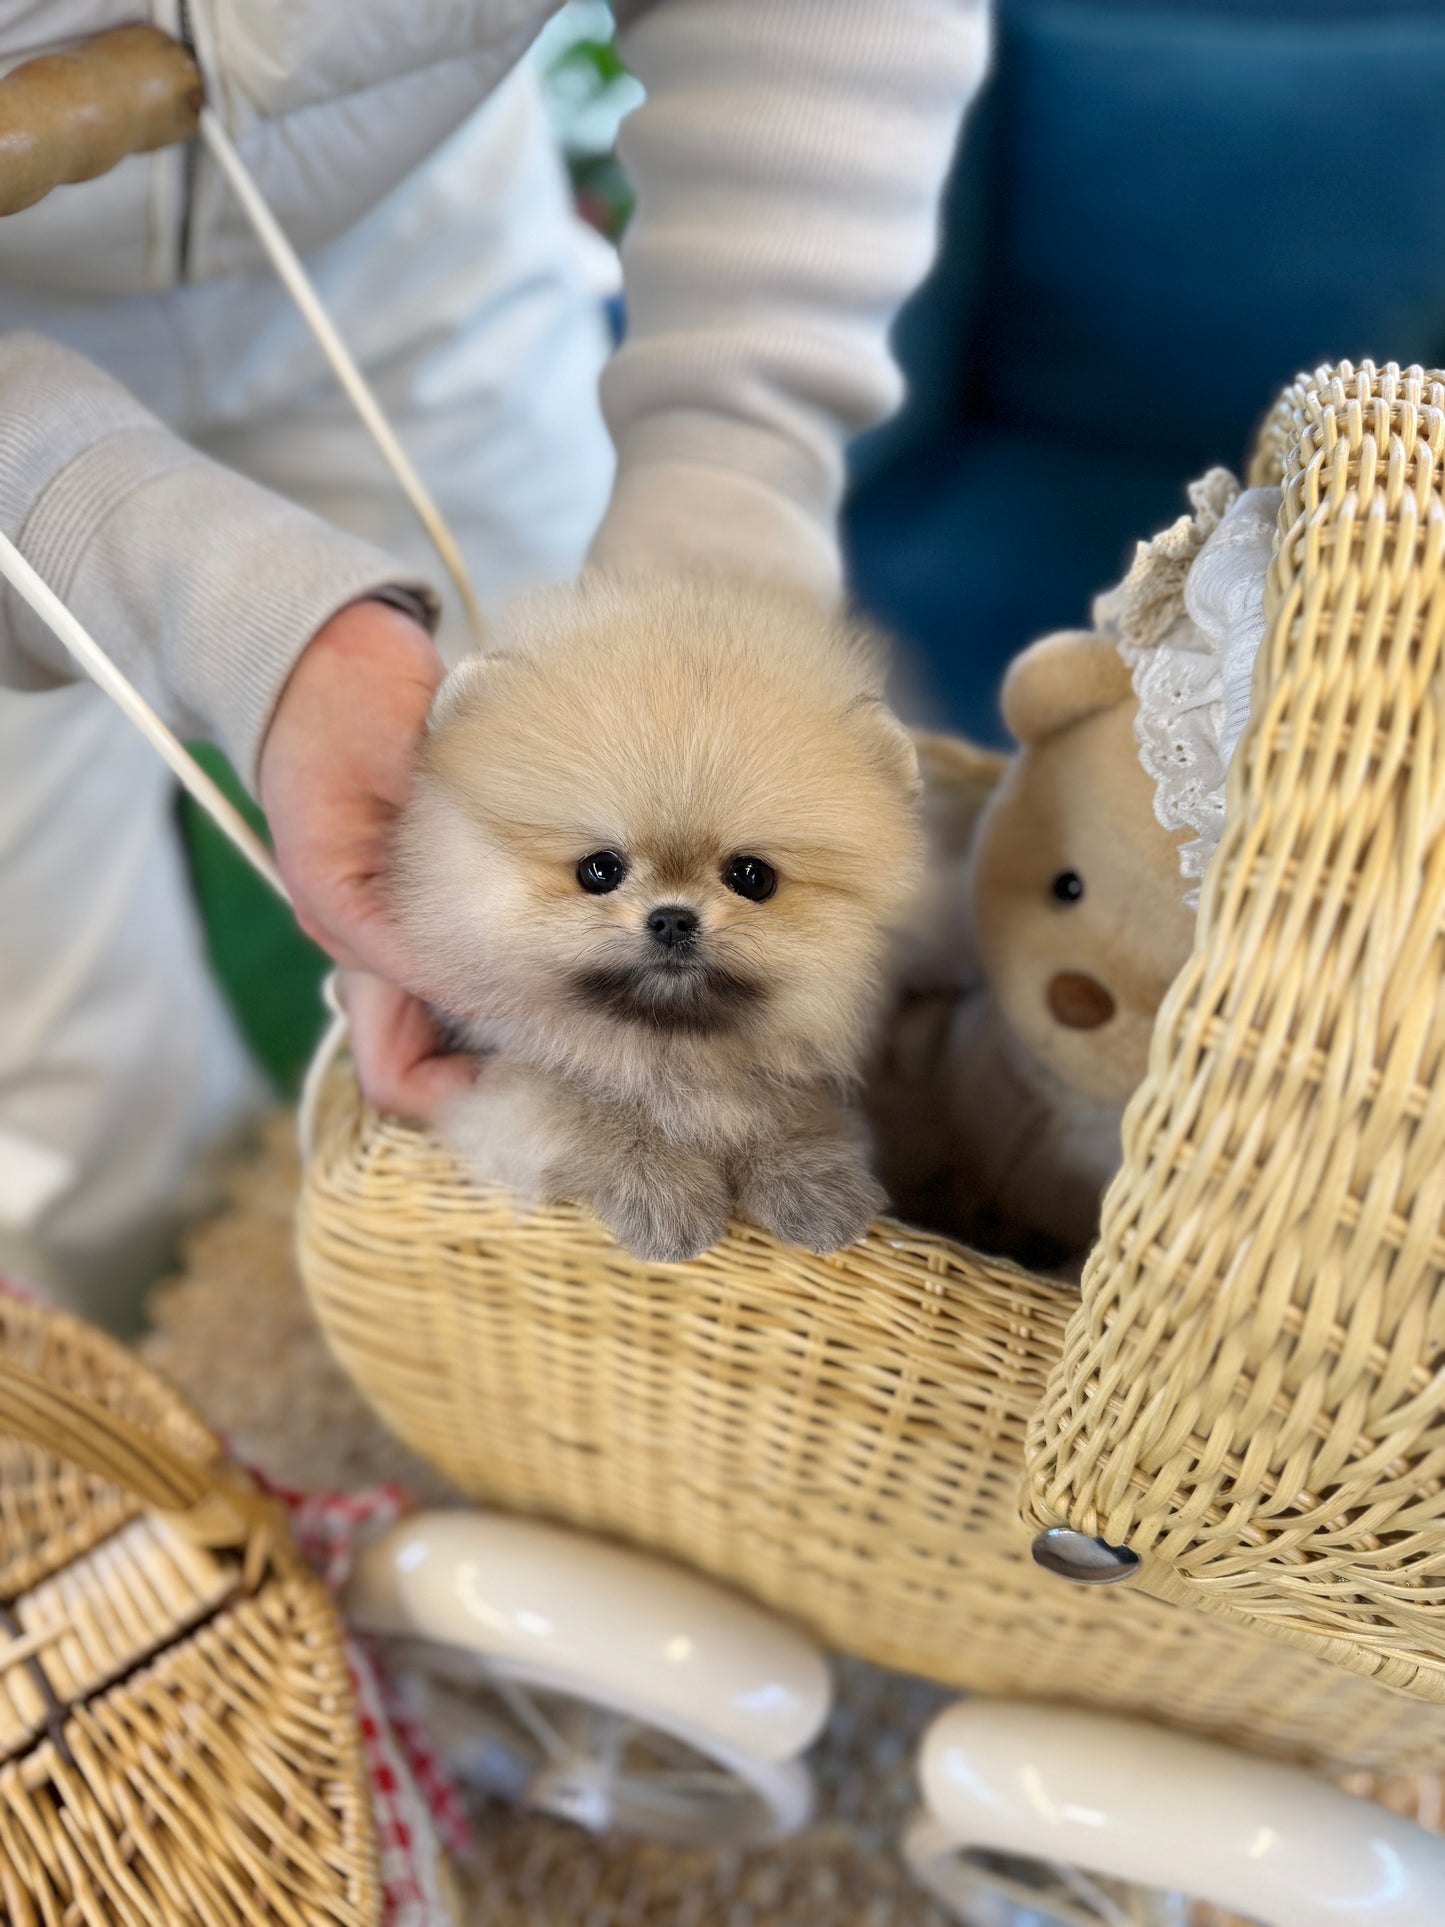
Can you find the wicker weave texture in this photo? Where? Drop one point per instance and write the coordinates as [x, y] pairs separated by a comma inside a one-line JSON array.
[[178, 1740], [50, 1509], [1253, 1391], [842, 1438]]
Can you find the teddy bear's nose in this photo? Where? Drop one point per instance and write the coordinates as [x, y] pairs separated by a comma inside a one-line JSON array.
[[1080, 1002]]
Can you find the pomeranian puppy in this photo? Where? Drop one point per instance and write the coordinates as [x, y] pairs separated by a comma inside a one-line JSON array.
[[657, 838]]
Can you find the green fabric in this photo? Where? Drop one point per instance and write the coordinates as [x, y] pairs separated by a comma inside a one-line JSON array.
[[270, 973]]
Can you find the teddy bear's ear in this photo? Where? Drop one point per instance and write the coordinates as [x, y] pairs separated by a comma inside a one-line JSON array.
[[958, 779], [1060, 680]]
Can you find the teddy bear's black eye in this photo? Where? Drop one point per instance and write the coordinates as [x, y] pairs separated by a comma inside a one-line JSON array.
[[1068, 886], [601, 872], [750, 877]]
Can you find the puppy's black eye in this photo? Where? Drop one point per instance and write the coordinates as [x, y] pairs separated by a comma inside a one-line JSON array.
[[750, 877], [1067, 886], [601, 872]]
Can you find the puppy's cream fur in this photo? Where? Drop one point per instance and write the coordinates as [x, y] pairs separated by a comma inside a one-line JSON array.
[[679, 725]]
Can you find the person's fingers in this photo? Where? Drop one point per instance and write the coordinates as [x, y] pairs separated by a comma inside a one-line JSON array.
[[350, 921], [424, 1090], [355, 943], [359, 922], [398, 1061], [399, 1057], [336, 766]]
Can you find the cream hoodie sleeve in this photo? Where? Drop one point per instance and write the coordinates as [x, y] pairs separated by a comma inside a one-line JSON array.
[[201, 586], [788, 163]]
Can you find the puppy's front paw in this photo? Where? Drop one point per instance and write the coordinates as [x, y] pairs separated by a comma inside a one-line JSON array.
[[823, 1197], [665, 1217]]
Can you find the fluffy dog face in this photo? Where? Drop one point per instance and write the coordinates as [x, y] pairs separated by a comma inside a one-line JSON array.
[[665, 821]]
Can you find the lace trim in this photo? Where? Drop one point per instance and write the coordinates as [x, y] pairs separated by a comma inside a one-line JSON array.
[[1188, 619]]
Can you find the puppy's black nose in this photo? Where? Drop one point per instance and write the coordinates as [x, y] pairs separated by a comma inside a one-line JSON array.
[[671, 924]]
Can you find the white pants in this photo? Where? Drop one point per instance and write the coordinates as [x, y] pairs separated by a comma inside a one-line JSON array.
[[470, 297]]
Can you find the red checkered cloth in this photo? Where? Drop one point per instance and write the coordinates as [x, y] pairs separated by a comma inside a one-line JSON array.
[[416, 1803]]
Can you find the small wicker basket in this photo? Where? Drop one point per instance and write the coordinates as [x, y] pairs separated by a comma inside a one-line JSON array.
[[177, 1734], [1250, 1392]]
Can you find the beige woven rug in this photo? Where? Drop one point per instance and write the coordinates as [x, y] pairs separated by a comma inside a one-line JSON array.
[[234, 1332]]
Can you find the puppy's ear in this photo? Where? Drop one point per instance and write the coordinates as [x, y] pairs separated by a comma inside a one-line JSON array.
[[868, 649], [887, 744], [958, 779], [1059, 681], [458, 689]]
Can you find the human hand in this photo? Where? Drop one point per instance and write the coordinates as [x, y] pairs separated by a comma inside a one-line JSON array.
[[334, 770], [402, 1063]]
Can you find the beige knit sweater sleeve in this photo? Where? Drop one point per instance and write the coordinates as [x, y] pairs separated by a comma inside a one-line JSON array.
[[788, 162], [201, 586]]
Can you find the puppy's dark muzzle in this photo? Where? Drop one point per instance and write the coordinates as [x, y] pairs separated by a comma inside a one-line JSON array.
[[675, 992], [673, 926]]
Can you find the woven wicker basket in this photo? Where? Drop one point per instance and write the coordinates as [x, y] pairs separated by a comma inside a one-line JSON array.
[[177, 1741], [1253, 1391], [1249, 1392]]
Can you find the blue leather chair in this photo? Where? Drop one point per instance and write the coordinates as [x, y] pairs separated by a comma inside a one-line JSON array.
[[1162, 210]]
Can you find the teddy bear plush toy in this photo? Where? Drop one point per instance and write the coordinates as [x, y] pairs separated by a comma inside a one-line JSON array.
[[1054, 924], [1061, 885]]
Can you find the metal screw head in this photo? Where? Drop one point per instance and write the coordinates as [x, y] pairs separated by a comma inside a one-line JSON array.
[[1087, 1562]]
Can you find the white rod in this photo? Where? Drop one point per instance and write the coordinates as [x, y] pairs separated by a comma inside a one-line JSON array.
[[93, 659], [288, 266]]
